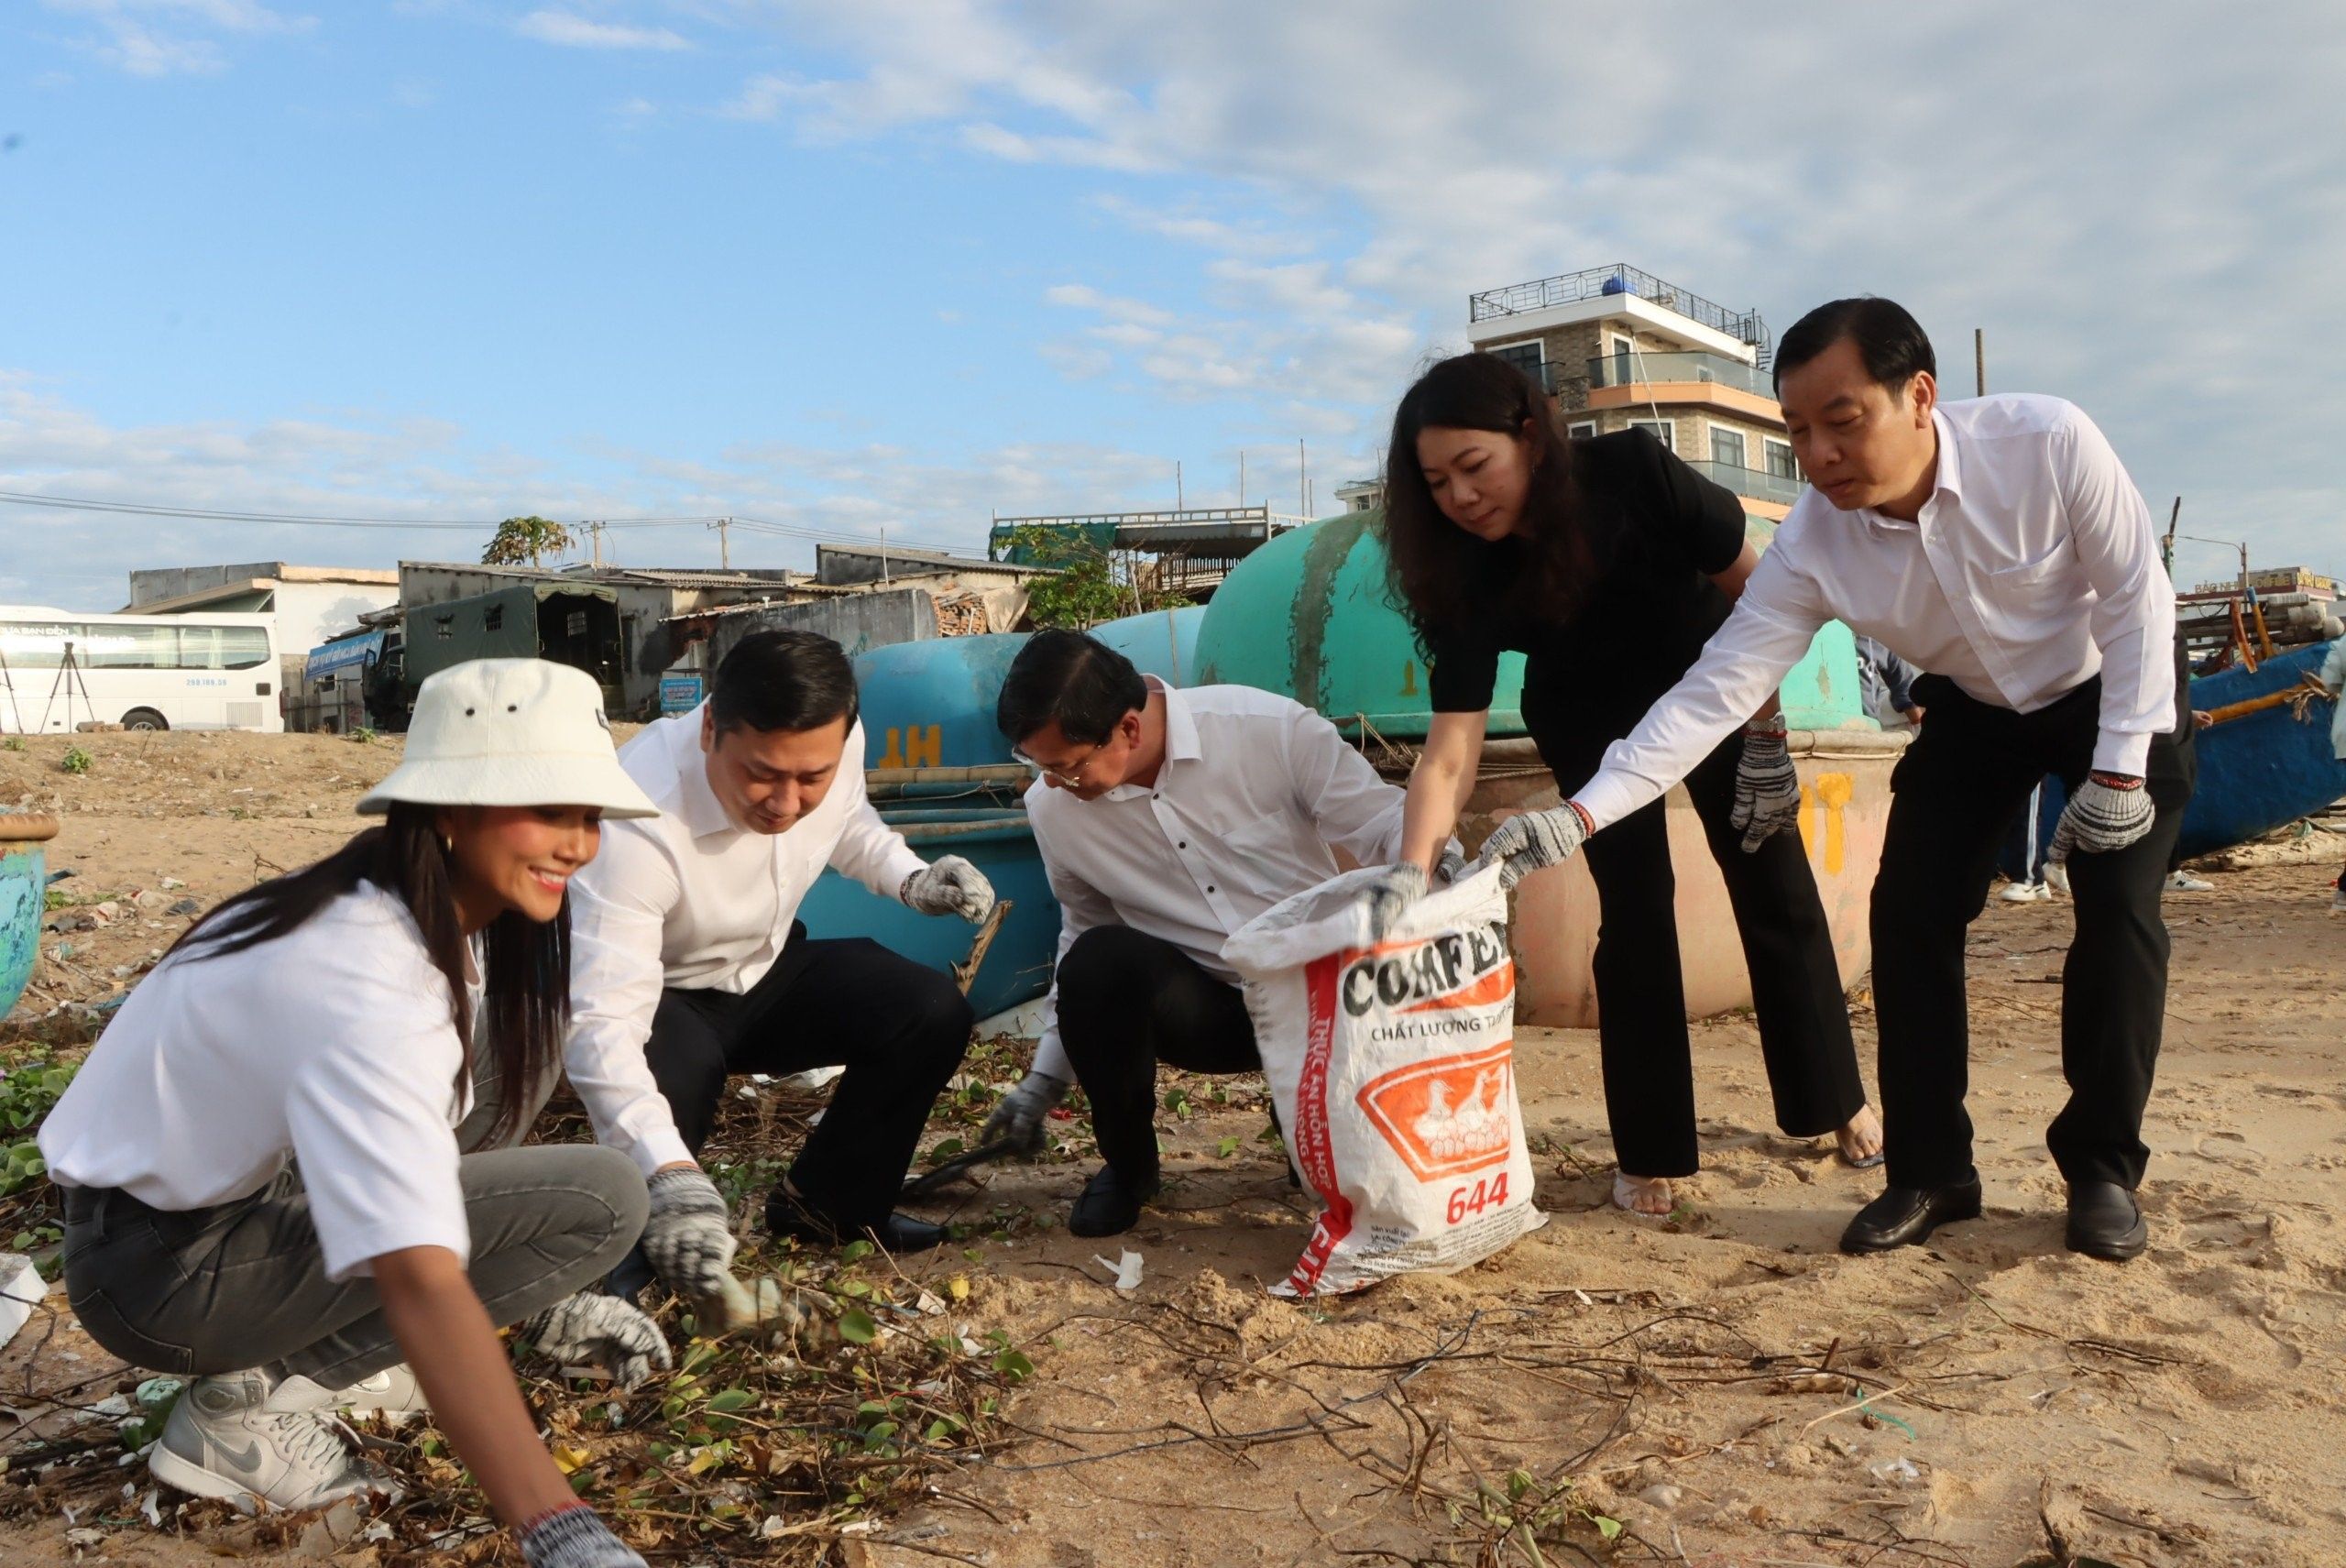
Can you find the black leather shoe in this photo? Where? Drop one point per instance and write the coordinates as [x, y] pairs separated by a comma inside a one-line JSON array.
[[1904, 1215], [2106, 1221], [790, 1216], [1109, 1206]]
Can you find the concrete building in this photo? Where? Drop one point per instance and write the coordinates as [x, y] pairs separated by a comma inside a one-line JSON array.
[[1362, 495], [1617, 347], [649, 601]]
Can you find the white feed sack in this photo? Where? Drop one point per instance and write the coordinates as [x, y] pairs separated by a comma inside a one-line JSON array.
[[1392, 1066]]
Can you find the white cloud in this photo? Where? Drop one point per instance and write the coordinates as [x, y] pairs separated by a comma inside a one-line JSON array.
[[568, 32], [171, 37], [352, 465], [2166, 259]]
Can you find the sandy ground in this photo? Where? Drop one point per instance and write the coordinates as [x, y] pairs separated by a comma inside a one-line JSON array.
[[1720, 1389]]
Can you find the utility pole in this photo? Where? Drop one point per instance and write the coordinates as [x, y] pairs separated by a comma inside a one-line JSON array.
[[883, 554], [1242, 478], [725, 542], [1178, 505], [595, 536], [1979, 358], [1302, 480]]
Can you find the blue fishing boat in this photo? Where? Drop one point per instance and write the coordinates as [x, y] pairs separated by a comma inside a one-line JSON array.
[[2258, 771], [2262, 769]]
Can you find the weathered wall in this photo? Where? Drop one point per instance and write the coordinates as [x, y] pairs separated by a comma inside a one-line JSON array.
[[856, 623]]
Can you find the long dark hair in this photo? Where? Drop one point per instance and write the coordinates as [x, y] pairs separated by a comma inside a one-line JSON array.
[[1431, 562], [525, 964]]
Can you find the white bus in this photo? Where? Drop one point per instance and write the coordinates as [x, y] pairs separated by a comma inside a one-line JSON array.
[[143, 672]]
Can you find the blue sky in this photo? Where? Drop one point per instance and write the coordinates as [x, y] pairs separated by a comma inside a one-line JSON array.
[[898, 265]]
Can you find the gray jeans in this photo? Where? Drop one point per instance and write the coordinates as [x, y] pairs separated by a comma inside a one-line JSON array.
[[243, 1283]]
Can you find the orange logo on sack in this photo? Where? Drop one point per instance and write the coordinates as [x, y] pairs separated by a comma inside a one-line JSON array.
[[1449, 1115]]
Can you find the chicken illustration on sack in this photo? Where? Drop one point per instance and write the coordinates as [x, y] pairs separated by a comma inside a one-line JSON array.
[[1392, 1066]]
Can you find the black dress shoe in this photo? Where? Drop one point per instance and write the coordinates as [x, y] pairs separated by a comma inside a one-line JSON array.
[[1109, 1205], [2106, 1221], [790, 1216], [1904, 1215]]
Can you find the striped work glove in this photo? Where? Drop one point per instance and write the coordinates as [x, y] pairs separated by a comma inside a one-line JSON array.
[[1535, 841], [2108, 813], [950, 886], [591, 1328], [688, 1239], [575, 1538], [1393, 892], [1767, 789]]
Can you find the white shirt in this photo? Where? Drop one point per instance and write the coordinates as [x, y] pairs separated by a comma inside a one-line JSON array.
[[1253, 790], [332, 1046], [2030, 569], [691, 900]]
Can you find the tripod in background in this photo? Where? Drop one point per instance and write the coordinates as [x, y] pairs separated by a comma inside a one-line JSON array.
[[69, 679]]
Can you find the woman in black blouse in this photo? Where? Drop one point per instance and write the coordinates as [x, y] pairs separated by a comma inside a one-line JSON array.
[[1609, 563]]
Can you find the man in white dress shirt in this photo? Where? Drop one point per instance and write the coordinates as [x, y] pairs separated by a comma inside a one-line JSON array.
[[1166, 820], [1999, 543], [689, 964]]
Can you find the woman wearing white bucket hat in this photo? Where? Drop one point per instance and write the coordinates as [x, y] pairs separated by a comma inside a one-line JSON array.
[[322, 1020]]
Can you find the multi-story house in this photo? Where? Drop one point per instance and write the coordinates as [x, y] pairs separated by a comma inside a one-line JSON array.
[[1616, 347]]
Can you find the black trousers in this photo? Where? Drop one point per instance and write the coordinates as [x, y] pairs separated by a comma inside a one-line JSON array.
[[899, 1028], [1954, 796], [1128, 1001], [1804, 1038]]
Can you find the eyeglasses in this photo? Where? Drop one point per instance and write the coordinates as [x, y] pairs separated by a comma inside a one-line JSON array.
[[1069, 775]]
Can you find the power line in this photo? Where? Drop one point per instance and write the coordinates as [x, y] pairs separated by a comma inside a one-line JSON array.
[[295, 519]]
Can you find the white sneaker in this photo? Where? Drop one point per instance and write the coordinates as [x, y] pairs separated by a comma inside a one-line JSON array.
[[2184, 881], [2024, 892], [237, 1437], [2056, 877], [392, 1394]]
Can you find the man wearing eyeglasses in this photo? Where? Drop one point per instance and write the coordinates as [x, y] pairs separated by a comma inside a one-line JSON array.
[[1166, 820]]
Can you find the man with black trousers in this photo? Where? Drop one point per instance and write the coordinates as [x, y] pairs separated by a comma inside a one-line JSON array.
[[689, 964], [1999, 543], [1166, 819]]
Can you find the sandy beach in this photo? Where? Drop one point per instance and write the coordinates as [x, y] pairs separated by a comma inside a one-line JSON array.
[[1721, 1387]]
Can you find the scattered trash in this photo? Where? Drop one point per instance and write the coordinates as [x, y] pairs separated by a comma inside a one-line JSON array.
[[1662, 1495], [83, 1539], [1898, 1472], [1127, 1268], [21, 1290], [186, 906], [812, 1078]]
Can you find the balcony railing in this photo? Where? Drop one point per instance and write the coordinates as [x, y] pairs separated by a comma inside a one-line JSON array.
[[1751, 482], [1638, 369], [1570, 288]]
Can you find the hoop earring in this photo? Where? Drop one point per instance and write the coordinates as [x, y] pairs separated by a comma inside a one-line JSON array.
[[448, 846]]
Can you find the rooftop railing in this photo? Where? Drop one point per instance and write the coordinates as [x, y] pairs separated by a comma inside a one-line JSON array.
[[1640, 368], [1751, 482], [1570, 288]]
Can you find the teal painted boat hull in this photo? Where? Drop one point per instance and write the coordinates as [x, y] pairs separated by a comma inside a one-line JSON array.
[[24, 888], [2265, 769], [930, 705], [1163, 642], [999, 842], [1308, 616]]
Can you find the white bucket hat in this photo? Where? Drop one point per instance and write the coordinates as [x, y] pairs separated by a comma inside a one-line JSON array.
[[510, 732]]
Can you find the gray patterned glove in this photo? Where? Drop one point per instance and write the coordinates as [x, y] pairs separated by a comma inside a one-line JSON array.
[[2110, 812], [1390, 896], [1450, 866], [1534, 841], [688, 1237], [1020, 1115], [951, 886], [1767, 789], [575, 1538], [592, 1328]]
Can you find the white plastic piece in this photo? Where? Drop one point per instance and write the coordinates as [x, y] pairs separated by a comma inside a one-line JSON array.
[[21, 1290], [1127, 1268]]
